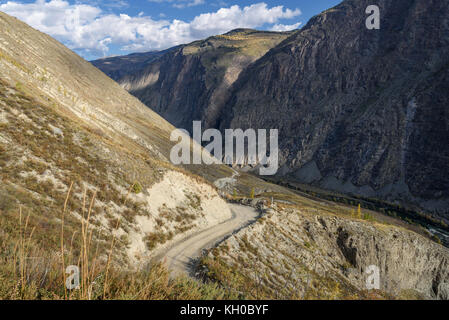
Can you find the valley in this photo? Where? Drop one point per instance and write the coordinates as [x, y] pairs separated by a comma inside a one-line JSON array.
[[359, 111], [88, 181]]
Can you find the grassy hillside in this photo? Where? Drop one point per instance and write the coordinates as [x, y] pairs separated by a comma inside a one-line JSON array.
[[82, 163]]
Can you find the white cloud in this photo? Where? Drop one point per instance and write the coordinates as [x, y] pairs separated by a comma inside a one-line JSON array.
[[192, 3], [226, 19], [181, 3], [285, 27], [87, 28]]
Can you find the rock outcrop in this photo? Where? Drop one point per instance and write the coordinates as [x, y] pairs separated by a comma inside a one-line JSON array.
[[293, 249]]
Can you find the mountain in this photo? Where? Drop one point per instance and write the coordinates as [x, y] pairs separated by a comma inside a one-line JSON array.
[[359, 111], [118, 67], [86, 185], [191, 82], [63, 121]]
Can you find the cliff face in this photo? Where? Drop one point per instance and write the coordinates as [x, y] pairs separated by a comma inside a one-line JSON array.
[[191, 82], [304, 254], [360, 111]]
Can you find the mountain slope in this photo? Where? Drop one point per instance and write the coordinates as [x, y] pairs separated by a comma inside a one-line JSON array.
[[191, 82], [63, 121], [299, 253], [359, 111], [120, 66], [85, 180]]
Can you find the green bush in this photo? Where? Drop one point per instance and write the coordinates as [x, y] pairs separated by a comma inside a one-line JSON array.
[[137, 188]]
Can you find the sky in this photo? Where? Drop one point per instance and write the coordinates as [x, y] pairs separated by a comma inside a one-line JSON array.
[[96, 29]]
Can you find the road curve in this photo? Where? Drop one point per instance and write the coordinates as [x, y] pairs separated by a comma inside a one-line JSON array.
[[179, 258]]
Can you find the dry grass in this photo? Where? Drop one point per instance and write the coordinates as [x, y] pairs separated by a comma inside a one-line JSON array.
[[247, 281], [100, 278]]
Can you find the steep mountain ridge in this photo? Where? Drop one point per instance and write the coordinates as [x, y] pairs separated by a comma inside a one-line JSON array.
[[191, 82], [118, 67], [359, 111]]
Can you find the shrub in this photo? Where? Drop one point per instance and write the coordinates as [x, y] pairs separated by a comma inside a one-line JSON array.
[[137, 188]]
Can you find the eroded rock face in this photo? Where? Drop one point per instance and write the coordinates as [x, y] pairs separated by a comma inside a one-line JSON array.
[[405, 260], [295, 246], [368, 107]]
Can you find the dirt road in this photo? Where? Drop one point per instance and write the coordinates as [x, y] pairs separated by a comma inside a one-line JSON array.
[[180, 257]]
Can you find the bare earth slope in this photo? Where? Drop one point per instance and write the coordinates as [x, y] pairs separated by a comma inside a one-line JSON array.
[[304, 253]]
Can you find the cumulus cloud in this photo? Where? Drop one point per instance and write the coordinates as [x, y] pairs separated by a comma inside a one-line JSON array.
[[285, 27], [252, 16], [86, 28]]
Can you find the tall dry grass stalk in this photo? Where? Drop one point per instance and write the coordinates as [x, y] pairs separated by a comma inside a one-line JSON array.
[[86, 240], [21, 253], [109, 259], [88, 272], [62, 240]]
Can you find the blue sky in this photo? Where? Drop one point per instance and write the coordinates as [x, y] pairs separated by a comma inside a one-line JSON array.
[[95, 29]]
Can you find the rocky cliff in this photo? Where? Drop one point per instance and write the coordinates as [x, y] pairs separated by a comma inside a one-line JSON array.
[[300, 253], [360, 111]]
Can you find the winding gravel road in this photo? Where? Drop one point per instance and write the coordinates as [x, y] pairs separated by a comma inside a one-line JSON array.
[[180, 257]]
